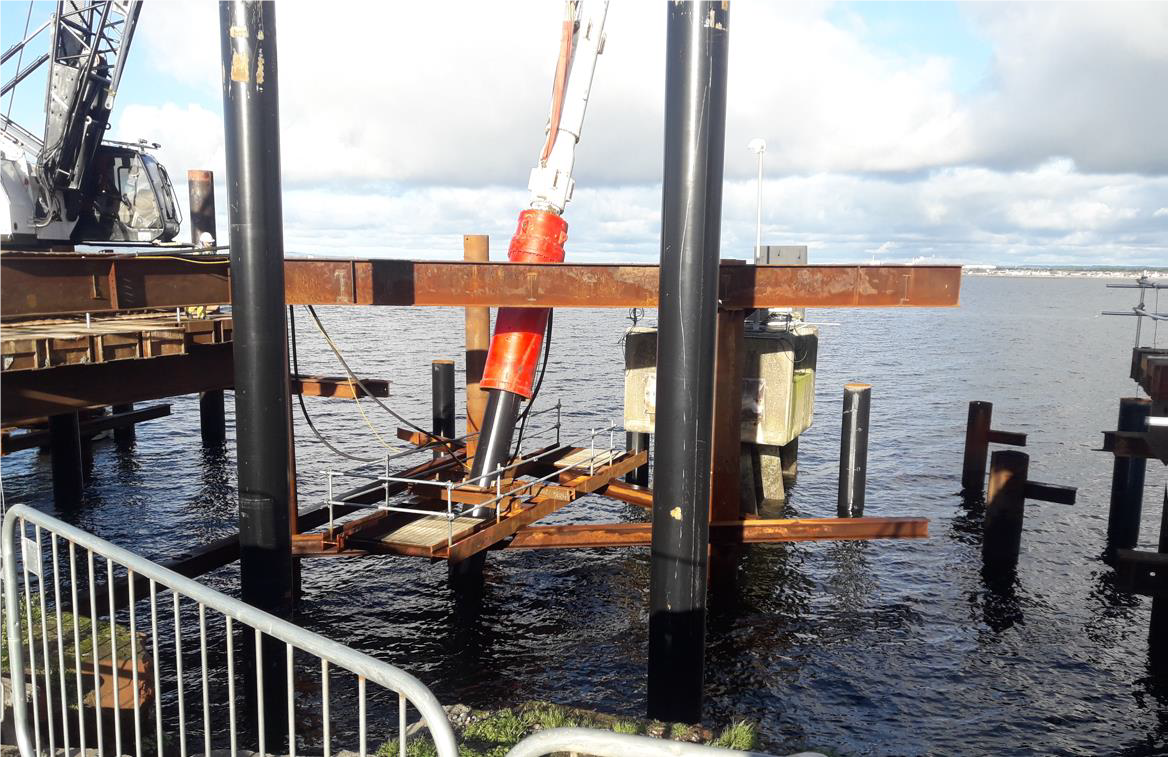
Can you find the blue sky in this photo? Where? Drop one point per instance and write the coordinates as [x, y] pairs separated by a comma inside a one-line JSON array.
[[920, 29], [1003, 132]]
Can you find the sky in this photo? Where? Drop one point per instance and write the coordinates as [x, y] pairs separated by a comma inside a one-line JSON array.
[[1002, 133]]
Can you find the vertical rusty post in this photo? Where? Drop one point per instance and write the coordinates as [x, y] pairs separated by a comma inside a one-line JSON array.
[[789, 459], [66, 460], [467, 576], [124, 435], [1158, 629], [251, 118], [201, 186], [1127, 480], [442, 398], [212, 418], [726, 498], [635, 441], [977, 444], [853, 465], [1005, 508], [725, 468], [697, 42], [476, 248]]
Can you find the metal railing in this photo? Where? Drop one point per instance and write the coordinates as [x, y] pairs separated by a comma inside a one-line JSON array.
[[609, 744], [597, 456], [1144, 283], [72, 663]]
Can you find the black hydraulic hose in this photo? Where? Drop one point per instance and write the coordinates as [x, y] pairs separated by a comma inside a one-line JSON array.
[[304, 407], [353, 377]]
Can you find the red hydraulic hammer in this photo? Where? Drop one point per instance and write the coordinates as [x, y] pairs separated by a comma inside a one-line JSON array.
[[509, 375]]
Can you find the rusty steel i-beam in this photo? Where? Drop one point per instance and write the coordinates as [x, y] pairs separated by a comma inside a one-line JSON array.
[[39, 285]]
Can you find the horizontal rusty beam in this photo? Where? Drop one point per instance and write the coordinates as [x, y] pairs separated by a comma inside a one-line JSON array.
[[586, 483], [420, 439], [40, 437], [632, 494], [35, 285], [1056, 493], [496, 532], [1141, 572], [732, 532], [52, 391], [1007, 437], [460, 283], [336, 387], [26, 395], [43, 284], [1135, 444]]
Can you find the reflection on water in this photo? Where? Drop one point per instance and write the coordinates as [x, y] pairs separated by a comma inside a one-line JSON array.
[[884, 648]]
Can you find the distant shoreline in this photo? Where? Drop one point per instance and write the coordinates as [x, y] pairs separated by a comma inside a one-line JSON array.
[[1064, 273]]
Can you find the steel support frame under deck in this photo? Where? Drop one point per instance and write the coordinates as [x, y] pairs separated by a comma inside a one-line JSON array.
[[514, 528], [31, 394]]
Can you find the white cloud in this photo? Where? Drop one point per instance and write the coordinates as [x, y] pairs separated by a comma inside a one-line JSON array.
[[394, 101], [1083, 80], [400, 135], [1050, 213]]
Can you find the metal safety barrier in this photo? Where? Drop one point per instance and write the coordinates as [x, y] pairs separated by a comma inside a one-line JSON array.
[[88, 677], [608, 744]]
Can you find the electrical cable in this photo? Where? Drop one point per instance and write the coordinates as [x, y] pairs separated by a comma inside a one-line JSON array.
[[365, 418], [547, 348], [300, 397], [353, 377], [181, 259], [369, 423]]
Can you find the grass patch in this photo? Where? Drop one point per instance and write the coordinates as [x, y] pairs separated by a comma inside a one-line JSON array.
[[502, 727], [419, 746], [48, 633], [741, 735], [493, 733]]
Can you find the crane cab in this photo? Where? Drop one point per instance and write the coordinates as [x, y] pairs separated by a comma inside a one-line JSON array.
[[129, 198]]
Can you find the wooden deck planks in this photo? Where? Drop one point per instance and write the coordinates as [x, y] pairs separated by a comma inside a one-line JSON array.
[[430, 531]]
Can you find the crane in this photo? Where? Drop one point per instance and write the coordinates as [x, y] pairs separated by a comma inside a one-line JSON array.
[[71, 186]]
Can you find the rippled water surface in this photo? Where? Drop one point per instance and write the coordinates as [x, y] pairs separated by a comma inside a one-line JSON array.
[[857, 648]]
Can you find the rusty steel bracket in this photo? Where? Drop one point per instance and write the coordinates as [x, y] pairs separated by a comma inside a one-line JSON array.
[[1060, 495], [1013, 438], [1144, 573], [1141, 444]]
